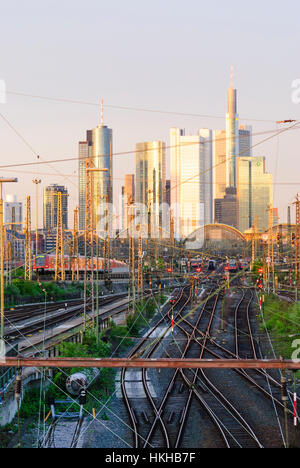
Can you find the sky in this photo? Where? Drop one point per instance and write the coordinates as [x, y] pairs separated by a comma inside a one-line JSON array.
[[165, 55]]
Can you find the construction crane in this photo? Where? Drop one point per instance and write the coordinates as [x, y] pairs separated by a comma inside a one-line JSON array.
[[28, 260], [60, 273]]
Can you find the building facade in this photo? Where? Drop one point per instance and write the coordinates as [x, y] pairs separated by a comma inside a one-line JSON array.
[[150, 172], [254, 193], [13, 213], [245, 141], [99, 148], [84, 152], [226, 208], [232, 138], [50, 202], [191, 180]]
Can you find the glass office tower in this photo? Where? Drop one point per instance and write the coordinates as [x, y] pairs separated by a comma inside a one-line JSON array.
[[254, 193]]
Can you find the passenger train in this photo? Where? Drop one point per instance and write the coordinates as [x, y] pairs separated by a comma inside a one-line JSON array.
[[44, 264]]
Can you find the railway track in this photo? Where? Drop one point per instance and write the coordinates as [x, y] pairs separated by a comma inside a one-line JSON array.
[[169, 419], [233, 429], [158, 434], [265, 382], [26, 323], [161, 420]]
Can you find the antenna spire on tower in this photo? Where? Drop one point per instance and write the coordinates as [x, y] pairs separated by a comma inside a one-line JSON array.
[[101, 121], [232, 76]]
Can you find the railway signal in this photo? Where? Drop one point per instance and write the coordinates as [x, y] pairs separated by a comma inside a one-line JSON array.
[[295, 401], [278, 240]]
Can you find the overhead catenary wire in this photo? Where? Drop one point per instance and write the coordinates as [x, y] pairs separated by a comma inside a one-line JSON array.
[[129, 108], [295, 126]]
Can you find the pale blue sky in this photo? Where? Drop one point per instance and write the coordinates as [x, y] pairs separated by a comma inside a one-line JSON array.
[[167, 54]]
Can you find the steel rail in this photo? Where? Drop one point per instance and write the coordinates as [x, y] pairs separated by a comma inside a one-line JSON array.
[[133, 352], [215, 391]]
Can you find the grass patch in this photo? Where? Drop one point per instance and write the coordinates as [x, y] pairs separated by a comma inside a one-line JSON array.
[[283, 322]]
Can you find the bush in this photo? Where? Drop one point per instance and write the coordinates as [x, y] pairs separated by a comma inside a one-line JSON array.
[[283, 322]]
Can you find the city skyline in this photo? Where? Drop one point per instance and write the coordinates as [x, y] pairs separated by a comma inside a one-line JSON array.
[[212, 168], [149, 221], [203, 93]]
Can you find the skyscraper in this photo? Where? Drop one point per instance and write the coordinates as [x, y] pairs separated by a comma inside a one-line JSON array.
[[150, 171], [13, 213], [50, 206], [168, 192], [235, 143], [232, 136], [226, 208], [191, 180], [99, 147], [219, 163], [254, 193], [206, 178], [84, 152], [245, 141]]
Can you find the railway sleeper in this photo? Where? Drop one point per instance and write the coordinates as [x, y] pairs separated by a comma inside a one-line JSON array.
[[144, 414], [182, 416], [170, 418]]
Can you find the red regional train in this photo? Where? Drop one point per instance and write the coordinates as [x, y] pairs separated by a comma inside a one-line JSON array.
[[46, 264], [232, 266]]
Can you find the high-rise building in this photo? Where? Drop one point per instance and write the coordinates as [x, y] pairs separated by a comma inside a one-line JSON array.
[[150, 172], [129, 197], [245, 141], [232, 137], [84, 152], [206, 178], [50, 206], [99, 147], [219, 164], [168, 192], [191, 180], [13, 213], [226, 208], [229, 147], [254, 193]]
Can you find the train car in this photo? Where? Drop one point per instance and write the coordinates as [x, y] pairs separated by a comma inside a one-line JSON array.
[[244, 265], [196, 265], [232, 266], [45, 263], [212, 265]]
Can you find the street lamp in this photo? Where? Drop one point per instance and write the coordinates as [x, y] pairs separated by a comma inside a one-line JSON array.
[[2, 181]]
